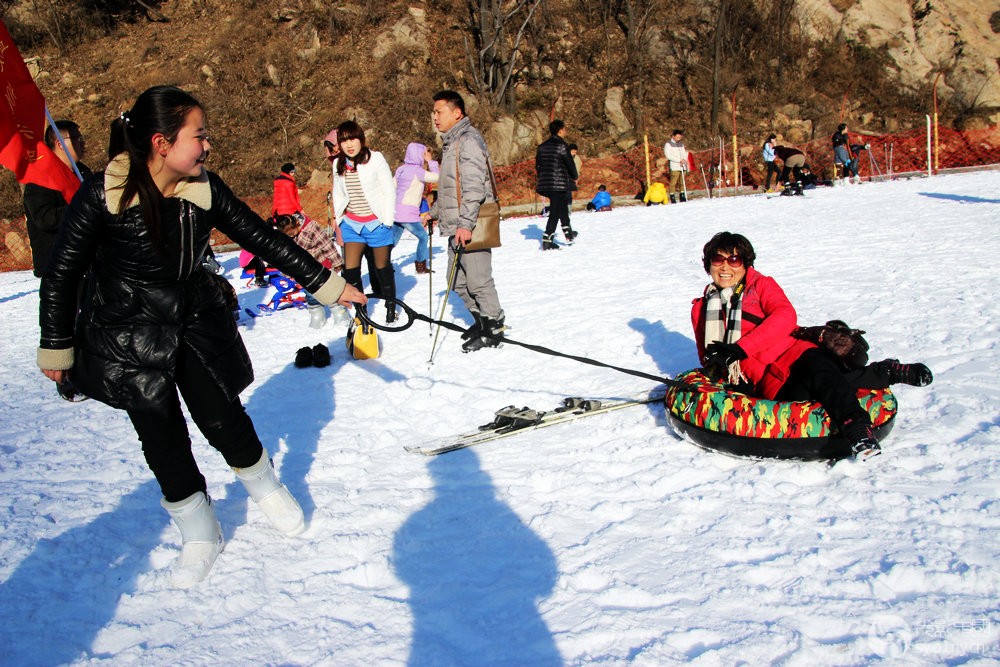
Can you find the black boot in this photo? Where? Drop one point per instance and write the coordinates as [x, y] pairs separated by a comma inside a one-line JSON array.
[[387, 280], [476, 329], [859, 433], [917, 375], [673, 199], [548, 243], [683, 197], [353, 277], [569, 234], [490, 336]]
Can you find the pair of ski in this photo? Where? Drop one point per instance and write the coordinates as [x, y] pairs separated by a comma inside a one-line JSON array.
[[512, 420]]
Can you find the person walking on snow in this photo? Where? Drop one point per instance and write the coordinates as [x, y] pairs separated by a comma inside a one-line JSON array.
[[677, 165], [465, 157], [155, 322], [411, 179], [556, 174]]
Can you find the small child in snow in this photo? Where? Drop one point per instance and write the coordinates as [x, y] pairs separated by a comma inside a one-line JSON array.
[[601, 200], [320, 245]]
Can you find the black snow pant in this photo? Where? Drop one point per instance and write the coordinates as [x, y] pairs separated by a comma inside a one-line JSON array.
[[771, 169], [559, 202], [166, 443], [817, 376]]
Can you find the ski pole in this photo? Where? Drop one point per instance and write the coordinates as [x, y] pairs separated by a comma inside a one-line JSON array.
[[684, 184], [430, 275], [704, 178], [452, 274]]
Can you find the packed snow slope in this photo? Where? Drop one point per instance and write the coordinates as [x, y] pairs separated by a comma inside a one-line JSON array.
[[610, 540]]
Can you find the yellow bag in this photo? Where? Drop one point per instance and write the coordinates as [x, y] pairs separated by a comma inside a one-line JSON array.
[[362, 340]]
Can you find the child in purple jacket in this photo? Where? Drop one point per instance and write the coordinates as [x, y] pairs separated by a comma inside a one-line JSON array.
[[411, 179]]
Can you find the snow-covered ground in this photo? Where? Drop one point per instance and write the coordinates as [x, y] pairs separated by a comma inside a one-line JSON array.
[[607, 541]]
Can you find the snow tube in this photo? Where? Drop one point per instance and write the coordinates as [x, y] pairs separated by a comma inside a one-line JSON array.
[[727, 421]]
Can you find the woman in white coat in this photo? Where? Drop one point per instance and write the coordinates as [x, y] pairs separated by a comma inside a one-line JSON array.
[[364, 204]]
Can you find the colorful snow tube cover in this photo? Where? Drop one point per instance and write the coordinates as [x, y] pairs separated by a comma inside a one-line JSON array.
[[720, 419]]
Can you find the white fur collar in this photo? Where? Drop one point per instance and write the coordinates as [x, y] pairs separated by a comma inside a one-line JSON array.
[[195, 190]]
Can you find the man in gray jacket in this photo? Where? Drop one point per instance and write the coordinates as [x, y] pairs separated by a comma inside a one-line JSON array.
[[465, 158]]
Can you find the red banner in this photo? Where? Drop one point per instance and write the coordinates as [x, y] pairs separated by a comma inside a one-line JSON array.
[[22, 126]]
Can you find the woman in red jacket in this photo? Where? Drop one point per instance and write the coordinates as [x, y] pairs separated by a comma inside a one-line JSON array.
[[743, 327], [286, 193]]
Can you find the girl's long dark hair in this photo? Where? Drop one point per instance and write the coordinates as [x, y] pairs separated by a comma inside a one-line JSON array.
[[158, 110], [351, 130]]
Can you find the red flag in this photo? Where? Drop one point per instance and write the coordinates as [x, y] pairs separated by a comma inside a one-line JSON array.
[[22, 126]]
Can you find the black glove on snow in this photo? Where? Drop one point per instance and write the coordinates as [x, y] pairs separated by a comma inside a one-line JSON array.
[[723, 354]]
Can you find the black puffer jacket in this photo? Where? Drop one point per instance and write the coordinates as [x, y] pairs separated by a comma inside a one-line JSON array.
[[141, 305], [554, 167]]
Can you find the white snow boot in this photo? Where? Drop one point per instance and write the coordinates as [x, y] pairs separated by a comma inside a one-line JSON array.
[[272, 497], [317, 316], [201, 537]]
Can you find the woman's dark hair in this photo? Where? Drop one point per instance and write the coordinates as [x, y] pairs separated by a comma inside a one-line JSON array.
[[770, 138], [841, 127], [158, 110], [346, 131], [722, 243]]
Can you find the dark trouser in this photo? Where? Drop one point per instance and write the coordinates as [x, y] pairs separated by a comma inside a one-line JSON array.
[[559, 202], [165, 440], [816, 376], [771, 169]]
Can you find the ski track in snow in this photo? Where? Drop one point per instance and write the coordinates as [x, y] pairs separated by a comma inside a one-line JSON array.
[[606, 541]]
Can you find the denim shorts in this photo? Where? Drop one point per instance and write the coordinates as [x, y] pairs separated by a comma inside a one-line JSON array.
[[374, 238]]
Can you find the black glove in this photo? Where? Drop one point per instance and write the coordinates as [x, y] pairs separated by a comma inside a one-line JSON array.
[[723, 354]]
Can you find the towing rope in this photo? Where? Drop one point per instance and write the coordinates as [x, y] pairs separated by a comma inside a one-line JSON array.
[[413, 316]]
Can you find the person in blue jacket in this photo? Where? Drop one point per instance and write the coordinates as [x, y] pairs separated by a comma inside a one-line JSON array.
[[767, 151], [601, 200]]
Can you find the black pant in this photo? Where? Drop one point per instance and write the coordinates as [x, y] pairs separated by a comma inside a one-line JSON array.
[[816, 376], [559, 202], [797, 171], [165, 440], [771, 169]]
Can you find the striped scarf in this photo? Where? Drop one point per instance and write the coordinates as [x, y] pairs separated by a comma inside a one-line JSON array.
[[724, 320]]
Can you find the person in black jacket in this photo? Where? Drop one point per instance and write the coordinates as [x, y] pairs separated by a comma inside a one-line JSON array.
[[155, 323], [43, 207], [556, 179]]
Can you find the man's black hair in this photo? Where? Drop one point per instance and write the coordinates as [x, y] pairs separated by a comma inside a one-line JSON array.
[[555, 126], [452, 98]]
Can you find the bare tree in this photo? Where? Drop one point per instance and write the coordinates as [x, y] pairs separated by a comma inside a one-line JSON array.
[[497, 30]]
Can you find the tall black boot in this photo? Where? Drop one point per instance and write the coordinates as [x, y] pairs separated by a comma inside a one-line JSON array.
[[387, 281], [353, 277], [683, 197]]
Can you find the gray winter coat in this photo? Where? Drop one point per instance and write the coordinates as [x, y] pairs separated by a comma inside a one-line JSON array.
[[467, 144]]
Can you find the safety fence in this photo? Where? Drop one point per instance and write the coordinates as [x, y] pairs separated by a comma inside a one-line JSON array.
[[713, 172]]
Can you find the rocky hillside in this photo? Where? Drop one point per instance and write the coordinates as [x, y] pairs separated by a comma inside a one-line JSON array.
[[276, 75]]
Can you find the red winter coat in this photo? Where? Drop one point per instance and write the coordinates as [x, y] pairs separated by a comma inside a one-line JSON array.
[[768, 321], [286, 196]]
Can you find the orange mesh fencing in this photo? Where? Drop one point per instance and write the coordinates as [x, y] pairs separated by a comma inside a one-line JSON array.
[[711, 172]]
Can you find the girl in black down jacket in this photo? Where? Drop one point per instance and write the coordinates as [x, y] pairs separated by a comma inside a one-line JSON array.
[[155, 323]]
